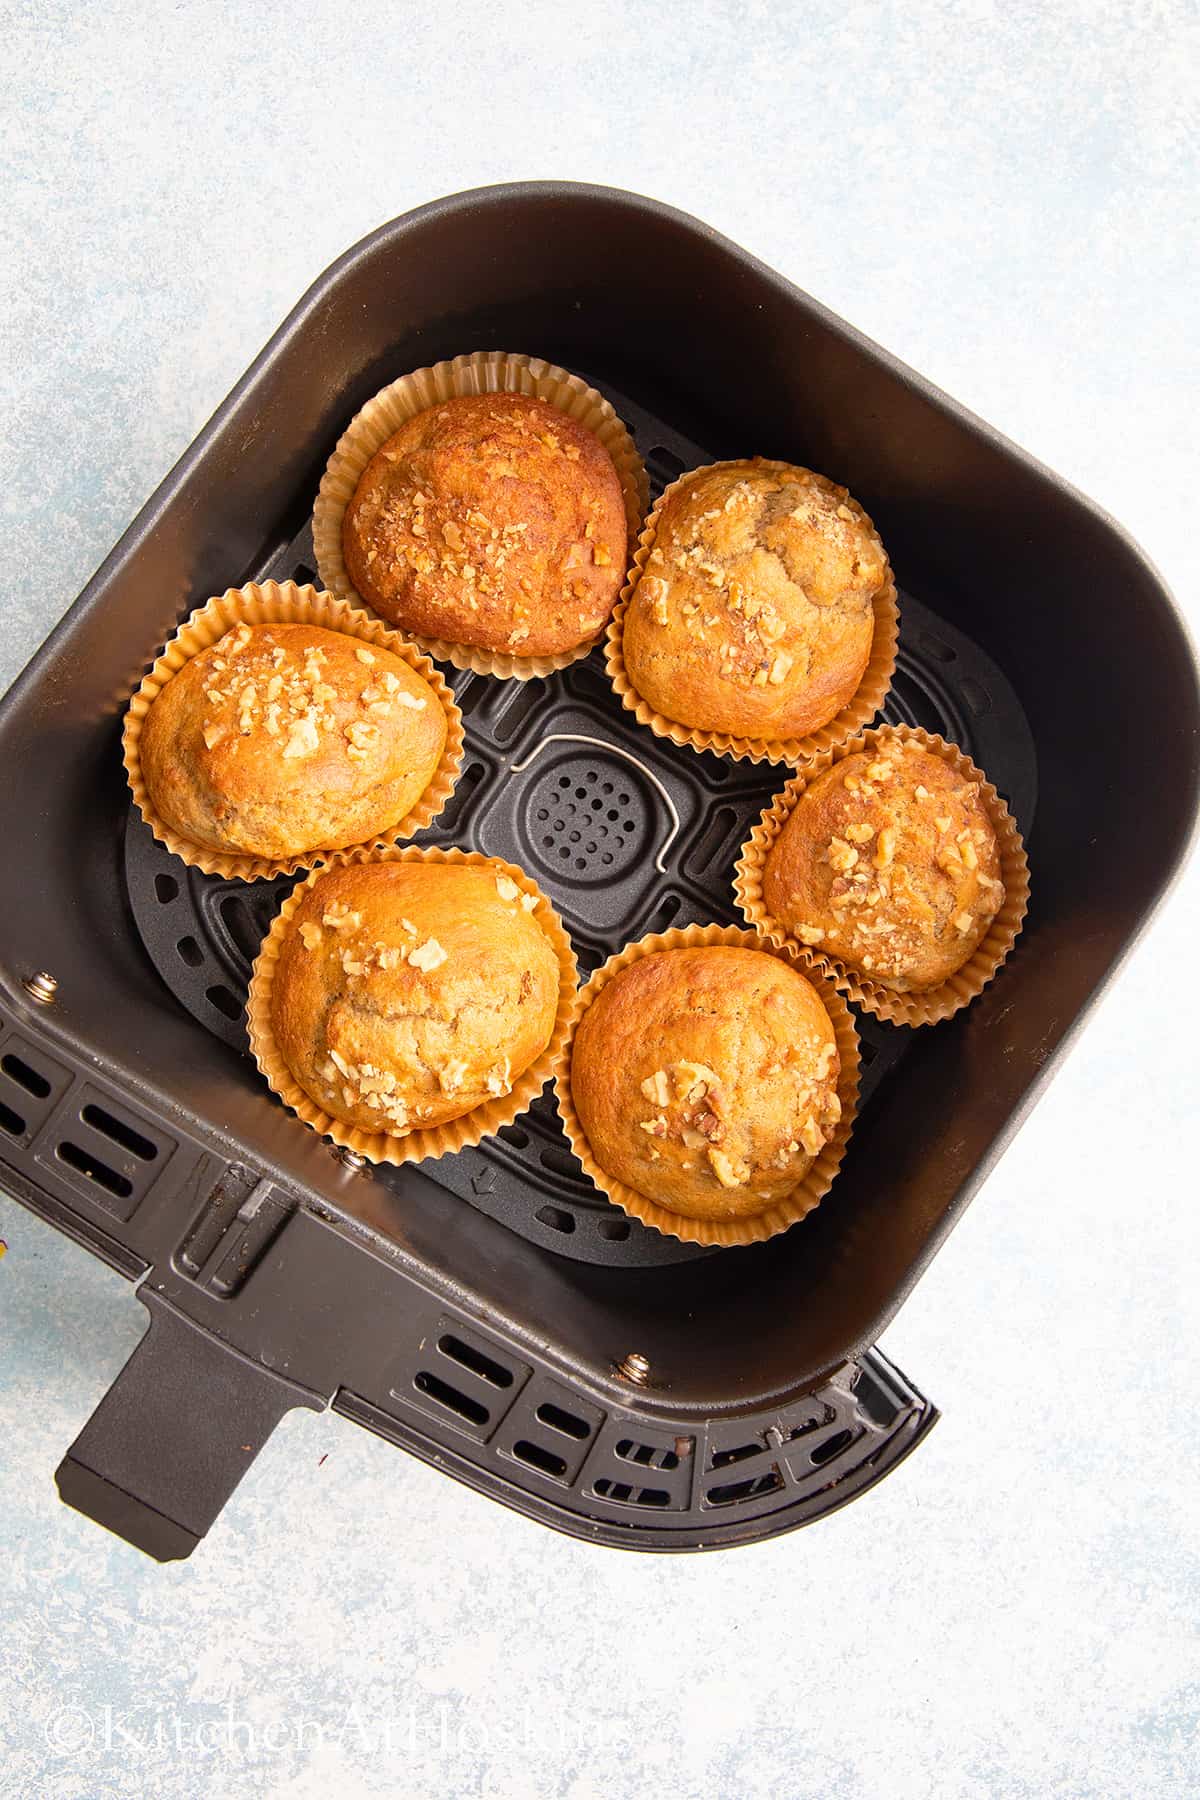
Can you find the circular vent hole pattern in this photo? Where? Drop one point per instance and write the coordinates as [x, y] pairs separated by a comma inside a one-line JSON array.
[[586, 822]]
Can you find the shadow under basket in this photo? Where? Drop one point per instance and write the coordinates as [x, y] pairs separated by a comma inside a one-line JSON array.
[[491, 1312]]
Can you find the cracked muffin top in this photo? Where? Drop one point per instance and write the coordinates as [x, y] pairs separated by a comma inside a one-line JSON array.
[[889, 862], [407, 993], [283, 739], [754, 614], [494, 520], [706, 1079]]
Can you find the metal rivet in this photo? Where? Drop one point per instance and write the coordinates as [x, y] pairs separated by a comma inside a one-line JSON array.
[[352, 1158], [41, 987], [634, 1367]]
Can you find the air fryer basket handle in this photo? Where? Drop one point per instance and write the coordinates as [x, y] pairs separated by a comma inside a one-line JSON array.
[[173, 1436]]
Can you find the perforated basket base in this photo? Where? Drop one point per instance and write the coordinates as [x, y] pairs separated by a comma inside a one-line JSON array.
[[627, 833]]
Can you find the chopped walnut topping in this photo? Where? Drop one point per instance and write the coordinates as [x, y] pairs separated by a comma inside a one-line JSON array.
[[600, 556], [967, 846], [529, 901], [693, 1139], [302, 739], [452, 535], [885, 849], [310, 934], [389, 956], [655, 1088], [656, 591], [657, 1127], [825, 1060], [427, 956], [499, 1079], [879, 771], [944, 823], [842, 856], [843, 512], [812, 1137], [860, 834], [507, 888], [452, 1076], [214, 735], [693, 1080], [810, 934], [964, 922], [362, 735], [364, 655], [780, 667], [728, 1173], [340, 918], [922, 793]]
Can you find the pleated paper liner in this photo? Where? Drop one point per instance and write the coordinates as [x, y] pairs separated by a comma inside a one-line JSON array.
[[781, 1214], [482, 372], [423, 1141], [283, 603], [858, 712], [934, 1004]]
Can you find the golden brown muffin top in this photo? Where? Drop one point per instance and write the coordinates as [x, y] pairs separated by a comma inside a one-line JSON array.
[[889, 862], [492, 519], [706, 1079], [754, 614], [406, 994], [280, 739]]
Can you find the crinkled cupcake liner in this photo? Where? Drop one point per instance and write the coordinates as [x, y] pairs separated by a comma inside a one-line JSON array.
[[933, 1004], [867, 700], [283, 603], [781, 1214], [423, 1142], [480, 372]]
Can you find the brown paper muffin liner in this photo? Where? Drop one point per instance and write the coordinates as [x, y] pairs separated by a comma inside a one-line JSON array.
[[809, 1193], [283, 603], [859, 711], [425, 1141], [934, 1004], [481, 372]]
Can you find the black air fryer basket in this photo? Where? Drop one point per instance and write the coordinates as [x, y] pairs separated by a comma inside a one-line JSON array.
[[490, 1312]]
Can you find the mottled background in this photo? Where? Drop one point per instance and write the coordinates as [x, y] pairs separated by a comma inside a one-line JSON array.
[[1005, 197]]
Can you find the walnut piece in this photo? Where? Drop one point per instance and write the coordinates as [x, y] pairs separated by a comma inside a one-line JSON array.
[[427, 956], [728, 1173]]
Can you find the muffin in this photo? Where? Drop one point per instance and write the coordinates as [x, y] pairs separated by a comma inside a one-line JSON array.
[[491, 520], [754, 614], [889, 862], [706, 1079], [279, 740], [406, 993]]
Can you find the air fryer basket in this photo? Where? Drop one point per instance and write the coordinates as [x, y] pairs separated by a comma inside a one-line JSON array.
[[517, 1331]]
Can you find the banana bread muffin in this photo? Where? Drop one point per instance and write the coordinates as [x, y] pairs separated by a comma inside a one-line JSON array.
[[706, 1079], [492, 519], [754, 614], [889, 862], [285, 739], [407, 993]]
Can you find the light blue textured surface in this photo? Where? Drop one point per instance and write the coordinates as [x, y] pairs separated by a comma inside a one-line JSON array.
[[1004, 196]]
